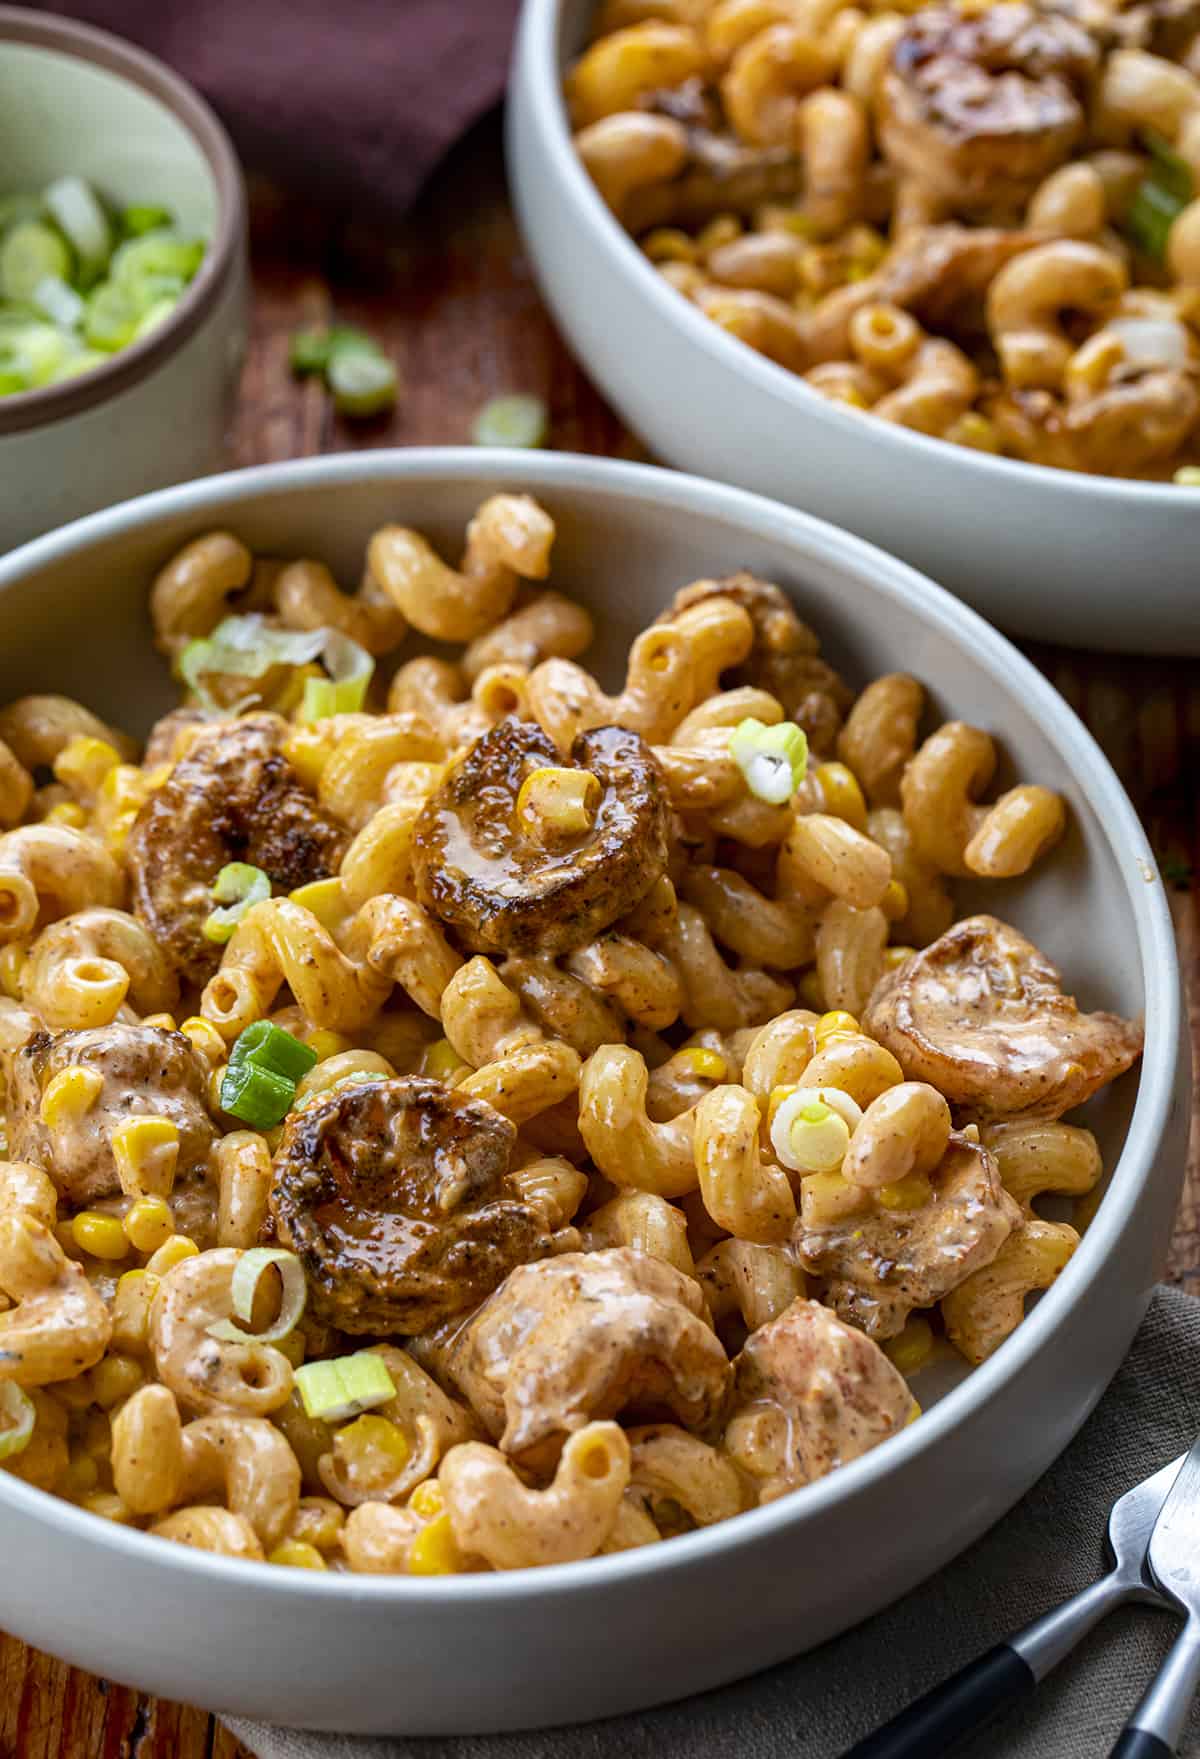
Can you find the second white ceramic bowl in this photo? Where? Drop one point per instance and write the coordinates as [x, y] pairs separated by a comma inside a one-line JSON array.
[[74, 99], [1089, 561], [489, 1652]]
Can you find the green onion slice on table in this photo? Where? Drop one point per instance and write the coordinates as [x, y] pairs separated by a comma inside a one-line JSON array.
[[513, 420], [344, 1386], [362, 383], [248, 1274]]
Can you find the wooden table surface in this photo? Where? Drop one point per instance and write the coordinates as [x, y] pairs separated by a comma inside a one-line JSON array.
[[451, 296]]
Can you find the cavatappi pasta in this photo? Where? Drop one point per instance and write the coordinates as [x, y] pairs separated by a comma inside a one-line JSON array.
[[461, 1119], [979, 219]]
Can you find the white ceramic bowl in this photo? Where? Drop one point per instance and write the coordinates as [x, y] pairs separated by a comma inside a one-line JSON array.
[[373, 1654], [1090, 561], [73, 99]]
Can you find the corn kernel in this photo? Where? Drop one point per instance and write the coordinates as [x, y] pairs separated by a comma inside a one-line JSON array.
[[131, 1310], [171, 1253], [371, 1442], [428, 1499], [308, 752], [12, 963], [145, 1150], [161, 1022], [296, 1555], [557, 803], [441, 1061], [721, 229], [149, 1224], [157, 776], [97, 1432], [433, 1552], [912, 1347], [911, 1193], [834, 1025], [67, 812], [667, 244], [841, 793], [327, 1043], [117, 834], [83, 764], [100, 1235], [709, 1065], [326, 901], [204, 1038], [69, 1095], [114, 1379], [124, 787], [811, 993], [894, 902], [81, 1476], [108, 1505], [893, 956], [975, 430]]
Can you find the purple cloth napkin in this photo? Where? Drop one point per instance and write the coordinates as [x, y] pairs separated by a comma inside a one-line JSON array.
[[352, 101]]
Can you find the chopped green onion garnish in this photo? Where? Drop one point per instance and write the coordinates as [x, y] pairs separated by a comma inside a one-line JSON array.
[[1188, 476], [1160, 198], [154, 315], [111, 319], [36, 351], [267, 1046], [144, 259], [811, 1129], [59, 301], [17, 1417], [73, 204], [515, 420], [247, 647], [239, 887], [30, 252], [773, 760], [344, 1386], [362, 383], [310, 351], [75, 364], [248, 1273], [144, 217], [345, 690], [256, 1096]]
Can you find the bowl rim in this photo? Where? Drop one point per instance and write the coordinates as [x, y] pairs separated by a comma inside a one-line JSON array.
[[536, 82], [802, 538], [126, 368]]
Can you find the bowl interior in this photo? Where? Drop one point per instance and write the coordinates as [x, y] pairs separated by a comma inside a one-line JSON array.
[[60, 113], [627, 538]]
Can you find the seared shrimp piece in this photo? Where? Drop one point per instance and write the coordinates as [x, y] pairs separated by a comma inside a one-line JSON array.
[[981, 1016], [507, 884], [129, 1072], [396, 1196], [810, 1394], [586, 1335], [233, 797], [880, 1263], [979, 108], [785, 658]]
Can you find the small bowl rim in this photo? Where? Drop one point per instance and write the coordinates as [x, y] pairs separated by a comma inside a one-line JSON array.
[[47, 404], [803, 537], [536, 81]]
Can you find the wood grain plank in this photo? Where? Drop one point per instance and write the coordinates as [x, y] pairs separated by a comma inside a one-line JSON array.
[[451, 298]]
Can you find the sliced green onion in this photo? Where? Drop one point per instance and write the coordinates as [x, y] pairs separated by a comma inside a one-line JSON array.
[[144, 217], [12, 381], [36, 351], [256, 1096], [59, 301], [247, 647], [22, 206], [156, 254], [19, 1416], [30, 253], [811, 1129], [74, 205], [154, 315], [516, 420], [350, 668], [267, 1046], [239, 887], [1187, 476], [111, 319], [85, 361], [1172, 170], [773, 760], [1159, 199], [344, 1386], [310, 351], [248, 1273], [362, 383]]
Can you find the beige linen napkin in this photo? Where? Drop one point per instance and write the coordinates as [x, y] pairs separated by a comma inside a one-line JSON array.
[[1047, 1548]]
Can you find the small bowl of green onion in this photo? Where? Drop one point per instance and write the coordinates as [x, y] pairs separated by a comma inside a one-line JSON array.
[[122, 274]]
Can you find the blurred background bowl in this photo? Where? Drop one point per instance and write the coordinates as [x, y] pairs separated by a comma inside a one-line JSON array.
[[1089, 561], [76, 100], [374, 1654]]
